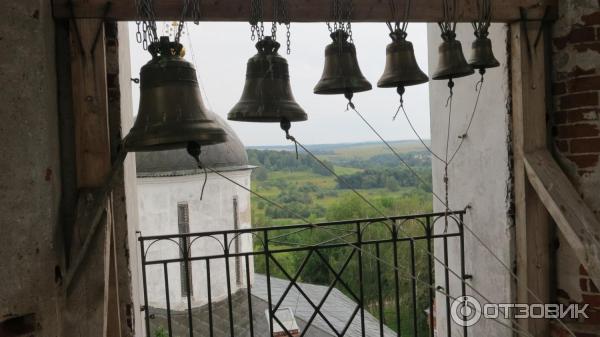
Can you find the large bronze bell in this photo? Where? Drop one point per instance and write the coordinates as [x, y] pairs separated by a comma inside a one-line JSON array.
[[401, 68], [267, 95], [482, 56], [171, 112], [341, 74], [452, 63]]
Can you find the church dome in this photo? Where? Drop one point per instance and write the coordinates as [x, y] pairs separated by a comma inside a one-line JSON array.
[[227, 156]]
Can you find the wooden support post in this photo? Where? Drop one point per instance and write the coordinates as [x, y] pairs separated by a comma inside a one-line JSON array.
[[528, 80], [89, 301], [574, 218], [90, 102]]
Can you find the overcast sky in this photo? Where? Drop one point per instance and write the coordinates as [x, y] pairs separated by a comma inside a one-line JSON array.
[[220, 52]]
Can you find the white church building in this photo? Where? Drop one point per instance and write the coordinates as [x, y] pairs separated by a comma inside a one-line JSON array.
[[169, 201], [169, 197]]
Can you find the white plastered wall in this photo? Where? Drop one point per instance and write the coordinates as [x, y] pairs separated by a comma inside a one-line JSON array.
[[479, 177], [158, 200]]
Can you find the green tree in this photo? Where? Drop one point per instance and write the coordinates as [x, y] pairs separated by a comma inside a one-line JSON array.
[[261, 174], [392, 184]]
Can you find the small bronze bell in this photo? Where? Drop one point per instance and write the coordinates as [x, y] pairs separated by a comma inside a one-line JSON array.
[[171, 112], [267, 95], [452, 63], [401, 68], [341, 74], [482, 56]]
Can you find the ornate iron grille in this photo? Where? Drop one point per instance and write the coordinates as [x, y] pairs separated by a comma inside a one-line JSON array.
[[365, 277]]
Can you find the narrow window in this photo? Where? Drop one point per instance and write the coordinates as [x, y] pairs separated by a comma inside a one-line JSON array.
[[183, 224], [238, 243]]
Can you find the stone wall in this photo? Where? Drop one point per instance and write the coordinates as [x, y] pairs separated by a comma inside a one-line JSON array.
[[576, 138], [30, 184]]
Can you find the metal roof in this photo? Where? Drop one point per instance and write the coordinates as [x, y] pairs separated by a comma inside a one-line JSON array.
[[337, 308], [231, 154]]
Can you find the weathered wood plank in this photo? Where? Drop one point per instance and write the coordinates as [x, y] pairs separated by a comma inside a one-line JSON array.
[[90, 103], [532, 222], [91, 246], [573, 217], [112, 310], [302, 10]]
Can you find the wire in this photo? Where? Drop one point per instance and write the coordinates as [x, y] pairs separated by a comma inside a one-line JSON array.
[[446, 180], [204, 183], [446, 267], [401, 107], [202, 86], [433, 287], [445, 177], [413, 172], [478, 88]]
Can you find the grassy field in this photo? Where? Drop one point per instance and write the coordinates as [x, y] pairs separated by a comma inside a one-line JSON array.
[[317, 196], [322, 191]]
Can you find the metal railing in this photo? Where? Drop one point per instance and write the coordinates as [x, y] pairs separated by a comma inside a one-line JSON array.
[[386, 269]]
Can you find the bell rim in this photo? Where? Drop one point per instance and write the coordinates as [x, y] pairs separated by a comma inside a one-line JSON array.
[[145, 146], [443, 75], [483, 65], [337, 91], [395, 81], [155, 138], [322, 88], [249, 113], [265, 120]]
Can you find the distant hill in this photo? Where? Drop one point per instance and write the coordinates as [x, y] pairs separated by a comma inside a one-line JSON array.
[[347, 151]]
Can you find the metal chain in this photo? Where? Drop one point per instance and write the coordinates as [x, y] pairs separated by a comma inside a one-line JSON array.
[[349, 20], [482, 26], [341, 16], [147, 34], [196, 13], [257, 28], [186, 4], [285, 19], [252, 19], [275, 19]]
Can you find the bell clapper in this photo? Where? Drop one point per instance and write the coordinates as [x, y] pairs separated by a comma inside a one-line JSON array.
[[349, 94], [400, 90], [480, 82], [194, 149], [451, 87], [286, 125]]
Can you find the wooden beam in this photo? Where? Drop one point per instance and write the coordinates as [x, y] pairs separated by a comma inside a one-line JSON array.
[[573, 217], [93, 163], [90, 102], [301, 10], [532, 222]]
